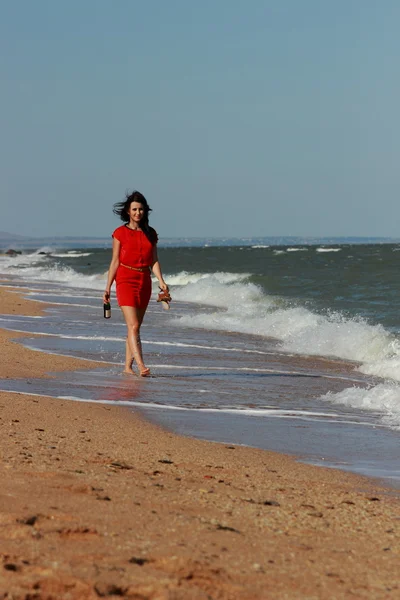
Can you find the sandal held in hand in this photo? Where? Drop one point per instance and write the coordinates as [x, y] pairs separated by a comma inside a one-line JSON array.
[[165, 298]]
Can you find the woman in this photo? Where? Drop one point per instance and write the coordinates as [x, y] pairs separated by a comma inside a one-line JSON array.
[[134, 253]]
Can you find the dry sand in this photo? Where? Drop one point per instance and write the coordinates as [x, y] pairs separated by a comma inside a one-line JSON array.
[[96, 502]]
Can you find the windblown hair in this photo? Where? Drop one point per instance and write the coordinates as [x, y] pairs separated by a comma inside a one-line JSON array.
[[121, 209]]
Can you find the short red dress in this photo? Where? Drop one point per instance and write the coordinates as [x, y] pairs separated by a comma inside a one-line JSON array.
[[134, 287]]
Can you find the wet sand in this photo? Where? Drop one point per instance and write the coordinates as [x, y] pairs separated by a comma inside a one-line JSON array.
[[96, 502]]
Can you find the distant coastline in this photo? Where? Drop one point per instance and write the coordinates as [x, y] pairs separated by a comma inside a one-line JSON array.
[[19, 242]]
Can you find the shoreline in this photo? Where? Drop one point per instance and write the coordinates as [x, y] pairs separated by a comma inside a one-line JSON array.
[[96, 501]]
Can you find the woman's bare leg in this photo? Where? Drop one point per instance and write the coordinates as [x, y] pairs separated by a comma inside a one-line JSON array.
[[128, 359], [133, 319]]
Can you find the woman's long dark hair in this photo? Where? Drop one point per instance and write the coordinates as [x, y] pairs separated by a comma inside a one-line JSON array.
[[121, 209]]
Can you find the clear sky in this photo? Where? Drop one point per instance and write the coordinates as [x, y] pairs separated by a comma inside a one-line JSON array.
[[233, 117]]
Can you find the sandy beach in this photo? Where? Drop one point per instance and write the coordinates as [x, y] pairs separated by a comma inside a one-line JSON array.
[[96, 502]]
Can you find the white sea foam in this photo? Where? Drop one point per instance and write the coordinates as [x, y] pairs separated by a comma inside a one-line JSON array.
[[184, 277], [39, 266], [71, 254], [328, 249], [213, 291], [334, 335], [383, 399], [261, 412], [387, 367], [15, 265], [243, 307], [60, 293], [296, 249], [259, 246], [35, 269]]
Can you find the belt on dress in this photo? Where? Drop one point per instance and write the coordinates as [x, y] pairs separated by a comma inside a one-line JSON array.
[[141, 269]]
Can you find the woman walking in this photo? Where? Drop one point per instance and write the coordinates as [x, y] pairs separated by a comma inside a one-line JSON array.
[[134, 254]]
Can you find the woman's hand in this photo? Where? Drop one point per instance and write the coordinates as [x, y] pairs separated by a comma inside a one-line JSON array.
[[163, 286], [106, 296]]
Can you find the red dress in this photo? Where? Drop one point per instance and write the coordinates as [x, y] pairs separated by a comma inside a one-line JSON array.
[[134, 287]]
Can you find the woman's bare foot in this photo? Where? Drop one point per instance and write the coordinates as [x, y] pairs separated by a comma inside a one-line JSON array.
[[144, 371], [128, 372]]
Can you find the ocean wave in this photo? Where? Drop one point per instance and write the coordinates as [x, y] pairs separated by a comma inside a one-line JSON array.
[[184, 278], [243, 307], [40, 265], [383, 399], [41, 269], [15, 264], [328, 249], [71, 254], [220, 290]]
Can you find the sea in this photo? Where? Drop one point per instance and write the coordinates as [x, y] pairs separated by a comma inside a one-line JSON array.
[[291, 347]]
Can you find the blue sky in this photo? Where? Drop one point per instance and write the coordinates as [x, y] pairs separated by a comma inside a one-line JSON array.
[[234, 118]]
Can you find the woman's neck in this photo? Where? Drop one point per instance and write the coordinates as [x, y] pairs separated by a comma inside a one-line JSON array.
[[134, 226]]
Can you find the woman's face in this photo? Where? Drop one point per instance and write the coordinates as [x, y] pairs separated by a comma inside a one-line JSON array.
[[136, 212]]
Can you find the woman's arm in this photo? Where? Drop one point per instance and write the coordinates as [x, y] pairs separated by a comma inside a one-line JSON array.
[[156, 268], [114, 264]]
